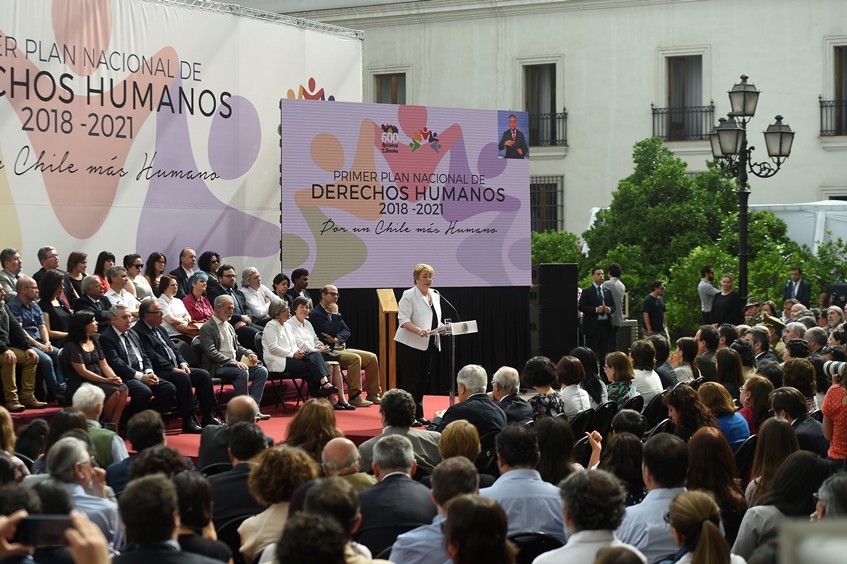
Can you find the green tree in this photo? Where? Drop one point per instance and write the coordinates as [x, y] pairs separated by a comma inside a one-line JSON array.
[[555, 247]]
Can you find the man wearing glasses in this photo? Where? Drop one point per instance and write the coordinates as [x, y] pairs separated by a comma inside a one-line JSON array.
[[240, 321], [332, 331], [49, 259]]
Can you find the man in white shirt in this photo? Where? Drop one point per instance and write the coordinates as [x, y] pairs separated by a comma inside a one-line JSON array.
[[664, 470], [117, 294], [593, 508]]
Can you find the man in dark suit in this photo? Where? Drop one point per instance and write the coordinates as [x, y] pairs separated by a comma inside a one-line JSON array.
[[187, 260], [229, 489], [513, 141], [760, 337], [93, 299], [150, 512], [797, 288], [397, 503], [214, 441], [474, 404], [299, 283], [708, 339], [597, 306], [144, 430], [505, 385], [790, 404], [126, 357], [240, 321], [169, 365]]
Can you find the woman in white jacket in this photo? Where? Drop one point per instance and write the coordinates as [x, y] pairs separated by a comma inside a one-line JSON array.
[[418, 336]]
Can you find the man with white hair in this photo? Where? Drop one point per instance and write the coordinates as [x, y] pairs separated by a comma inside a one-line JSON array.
[[475, 406], [505, 385], [793, 330], [69, 461], [834, 318], [109, 447], [341, 458]]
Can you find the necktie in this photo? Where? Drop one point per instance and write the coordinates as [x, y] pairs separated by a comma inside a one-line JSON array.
[[131, 354], [514, 136], [168, 349], [794, 295], [235, 303], [600, 295]]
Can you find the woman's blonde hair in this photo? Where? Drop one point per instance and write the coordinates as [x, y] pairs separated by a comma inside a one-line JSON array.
[[7, 431], [421, 268], [696, 517], [459, 438], [622, 365]]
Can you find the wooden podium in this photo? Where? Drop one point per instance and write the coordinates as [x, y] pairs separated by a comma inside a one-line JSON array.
[[387, 347]]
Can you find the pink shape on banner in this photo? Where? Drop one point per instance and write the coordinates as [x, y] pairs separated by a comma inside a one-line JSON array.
[[185, 213], [239, 135], [81, 24]]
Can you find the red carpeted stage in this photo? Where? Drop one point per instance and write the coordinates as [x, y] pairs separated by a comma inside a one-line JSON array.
[[359, 425]]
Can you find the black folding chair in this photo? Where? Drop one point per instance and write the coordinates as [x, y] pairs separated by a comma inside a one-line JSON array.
[[655, 410], [228, 534], [744, 458], [582, 422], [603, 415], [665, 426], [216, 468], [636, 403], [531, 544]]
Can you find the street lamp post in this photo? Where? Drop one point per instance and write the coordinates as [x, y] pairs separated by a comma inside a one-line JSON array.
[[729, 148]]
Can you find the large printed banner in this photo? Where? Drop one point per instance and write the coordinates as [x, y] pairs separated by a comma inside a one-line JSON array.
[[140, 126], [370, 190]]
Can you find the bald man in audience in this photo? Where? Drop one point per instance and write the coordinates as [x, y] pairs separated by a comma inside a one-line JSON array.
[[341, 458], [214, 440]]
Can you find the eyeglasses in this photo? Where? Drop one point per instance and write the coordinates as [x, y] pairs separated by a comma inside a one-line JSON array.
[[214, 261], [334, 294], [137, 265]]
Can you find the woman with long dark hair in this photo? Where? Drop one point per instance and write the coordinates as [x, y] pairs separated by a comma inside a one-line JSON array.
[[596, 388], [555, 442], [777, 441], [623, 457], [683, 359], [687, 411], [105, 261], [56, 312], [729, 371], [475, 531], [755, 402], [154, 268]]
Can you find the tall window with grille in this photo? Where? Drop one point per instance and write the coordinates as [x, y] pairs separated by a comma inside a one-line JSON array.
[[546, 203], [391, 88], [685, 118], [546, 127], [834, 112]]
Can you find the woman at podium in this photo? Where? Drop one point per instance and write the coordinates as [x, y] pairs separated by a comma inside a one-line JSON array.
[[418, 337]]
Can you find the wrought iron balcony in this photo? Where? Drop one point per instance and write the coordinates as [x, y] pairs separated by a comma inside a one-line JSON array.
[[548, 129], [683, 124], [833, 117]]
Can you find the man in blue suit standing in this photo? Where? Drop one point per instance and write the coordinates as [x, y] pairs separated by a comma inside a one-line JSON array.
[[797, 288]]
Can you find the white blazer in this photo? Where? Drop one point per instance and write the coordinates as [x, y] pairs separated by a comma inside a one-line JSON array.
[[413, 307], [277, 345]]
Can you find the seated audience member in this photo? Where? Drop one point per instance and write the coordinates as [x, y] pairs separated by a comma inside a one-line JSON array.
[[154, 269], [281, 284], [530, 503], [222, 354], [246, 443], [695, 521], [748, 356], [771, 371], [117, 292], [159, 460], [341, 459], [277, 472], [85, 361], [69, 461], [63, 421], [777, 441], [257, 295], [727, 334], [755, 403], [48, 257], [646, 381], [177, 320], [622, 457], [77, 263], [187, 260], [425, 544], [144, 430], [31, 438], [10, 259], [312, 539], [193, 385], [244, 327], [134, 265], [834, 411], [109, 446], [712, 468], [629, 421], [817, 339], [728, 371], [54, 306], [708, 339], [16, 351], [796, 348], [150, 512], [665, 471], [397, 503], [127, 359], [800, 374], [28, 313], [18, 502], [683, 360], [570, 374], [539, 372], [105, 261], [621, 378], [55, 500], [789, 404], [460, 438], [832, 498], [663, 368], [731, 423], [313, 427], [299, 283], [474, 404], [593, 384], [555, 444], [760, 338], [208, 263], [196, 532], [475, 531], [7, 445], [214, 441], [687, 411], [195, 301], [792, 495], [593, 508], [505, 385]]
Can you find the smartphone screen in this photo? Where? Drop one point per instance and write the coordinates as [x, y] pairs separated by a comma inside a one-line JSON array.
[[43, 530]]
